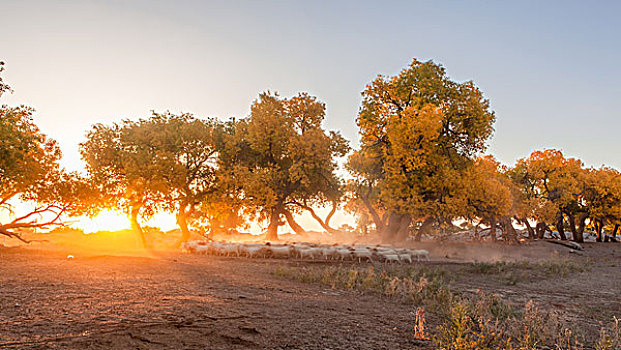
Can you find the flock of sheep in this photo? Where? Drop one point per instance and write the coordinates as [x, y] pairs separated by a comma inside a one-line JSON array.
[[311, 251]]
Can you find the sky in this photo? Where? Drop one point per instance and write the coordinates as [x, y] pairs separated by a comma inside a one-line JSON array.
[[550, 69]]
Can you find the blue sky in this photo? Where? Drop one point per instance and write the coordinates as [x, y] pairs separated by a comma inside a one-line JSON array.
[[550, 69]]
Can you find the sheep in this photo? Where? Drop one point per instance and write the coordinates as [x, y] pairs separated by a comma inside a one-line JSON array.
[[420, 253], [188, 247], [195, 247], [405, 258], [343, 254], [280, 251], [362, 254], [253, 250], [308, 253], [229, 249], [391, 258], [329, 252]]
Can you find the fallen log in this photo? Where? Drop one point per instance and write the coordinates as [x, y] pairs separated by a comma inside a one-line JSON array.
[[568, 244]]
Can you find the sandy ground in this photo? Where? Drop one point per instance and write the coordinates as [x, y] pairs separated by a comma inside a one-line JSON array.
[[180, 301]]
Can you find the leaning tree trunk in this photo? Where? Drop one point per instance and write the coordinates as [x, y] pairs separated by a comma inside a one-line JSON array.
[[292, 223], [424, 228], [380, 227], [133, 218], [531, 232], [560, 227], [324, 223]]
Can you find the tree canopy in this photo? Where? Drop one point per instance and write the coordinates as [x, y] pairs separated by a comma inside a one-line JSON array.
[[30, 173], [419, 132], [420, 166], [284, 159]]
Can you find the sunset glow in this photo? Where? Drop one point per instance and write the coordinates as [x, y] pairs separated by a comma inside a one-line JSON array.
[[113, 220], [107, 220]]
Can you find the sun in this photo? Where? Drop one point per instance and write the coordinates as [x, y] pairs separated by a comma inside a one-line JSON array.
[[114, 220], [106, 220]]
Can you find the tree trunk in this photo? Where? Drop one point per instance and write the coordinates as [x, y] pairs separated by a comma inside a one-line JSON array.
[[598, 229], [330, 214], [424, 227], [389, 235], [579, 237], [182, 221], [380, 227], [292, 223], [404, 228], [531, 232], [324, 224], [560, 227], [272, 228], [541, 229], [492, 229], [133, 218], [509, 231], [578, 232]]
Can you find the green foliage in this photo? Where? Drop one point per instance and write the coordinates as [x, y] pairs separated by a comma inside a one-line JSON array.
[[30, 172]]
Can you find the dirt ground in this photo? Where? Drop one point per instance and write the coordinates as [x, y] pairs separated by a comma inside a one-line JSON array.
[[181, 301]]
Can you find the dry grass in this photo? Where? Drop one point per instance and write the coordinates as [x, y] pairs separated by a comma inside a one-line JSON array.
[[420, 286], [479, 321]]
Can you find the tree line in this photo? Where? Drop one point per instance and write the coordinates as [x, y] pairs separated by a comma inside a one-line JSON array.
[[419, 168]]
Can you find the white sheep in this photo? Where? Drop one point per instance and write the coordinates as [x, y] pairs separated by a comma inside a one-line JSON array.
[[253, 250], [420, 253], [405, 258], [280, 251], [362, 254], [390, 258]]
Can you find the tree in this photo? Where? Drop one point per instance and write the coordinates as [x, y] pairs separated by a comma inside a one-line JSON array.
[[553, 187], [122, 165], [3, 86], [284, 159], [489, 195], [602, 196], [186, 156], [30, 173], [419, 131]]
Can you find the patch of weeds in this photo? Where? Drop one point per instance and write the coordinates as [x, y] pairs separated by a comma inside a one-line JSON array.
[[610, 336], [561, 268], [418, 286], [464, 329], [467, 322], [485, 322], [484, 268], [515, 272]]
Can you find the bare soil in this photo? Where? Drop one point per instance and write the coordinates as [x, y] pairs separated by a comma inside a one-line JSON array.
[[181, 301]]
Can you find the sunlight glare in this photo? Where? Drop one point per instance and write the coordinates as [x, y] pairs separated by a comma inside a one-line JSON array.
[[106, 220]]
